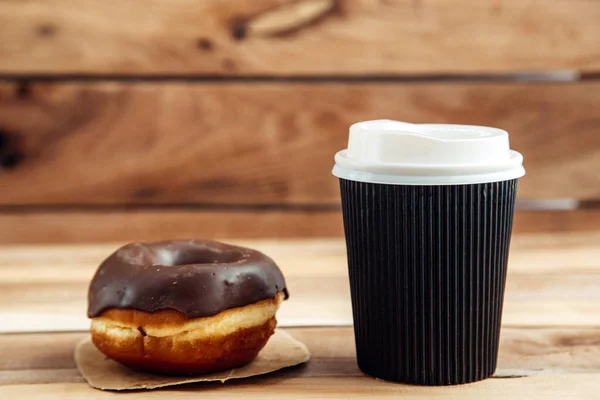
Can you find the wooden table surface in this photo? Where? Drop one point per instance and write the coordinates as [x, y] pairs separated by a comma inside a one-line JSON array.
[[550, 344]]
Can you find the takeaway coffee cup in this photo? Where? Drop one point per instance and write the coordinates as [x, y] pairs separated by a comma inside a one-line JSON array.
[[428, 213]]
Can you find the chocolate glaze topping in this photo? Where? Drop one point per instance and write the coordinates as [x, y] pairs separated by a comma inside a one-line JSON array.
[[196, 278]]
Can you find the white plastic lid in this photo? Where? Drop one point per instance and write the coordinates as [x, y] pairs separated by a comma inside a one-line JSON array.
[[399, 153]]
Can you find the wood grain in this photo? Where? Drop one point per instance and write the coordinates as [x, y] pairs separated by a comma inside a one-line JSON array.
[[568, 386], [305, 37], [265, 143], [523, 353], [552, 281], [128, 225]]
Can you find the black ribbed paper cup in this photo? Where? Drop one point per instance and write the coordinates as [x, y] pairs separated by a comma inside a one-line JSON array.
[[427, 268]]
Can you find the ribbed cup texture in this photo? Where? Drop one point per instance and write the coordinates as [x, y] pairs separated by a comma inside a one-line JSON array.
[[427, 269]]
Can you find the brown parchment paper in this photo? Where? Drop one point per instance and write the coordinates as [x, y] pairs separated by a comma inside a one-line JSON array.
[[281, 351]]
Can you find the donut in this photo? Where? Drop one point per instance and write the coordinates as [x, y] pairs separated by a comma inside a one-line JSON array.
[[184, 307]]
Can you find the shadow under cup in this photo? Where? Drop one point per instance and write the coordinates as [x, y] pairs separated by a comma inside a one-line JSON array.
[[427, 268]]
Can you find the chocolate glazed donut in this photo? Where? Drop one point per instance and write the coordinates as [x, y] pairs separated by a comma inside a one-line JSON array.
[[184, 307]]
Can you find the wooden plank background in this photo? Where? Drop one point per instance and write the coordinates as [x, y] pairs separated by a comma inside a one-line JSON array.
[[305, 37], [149, 119], [263, 143]]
